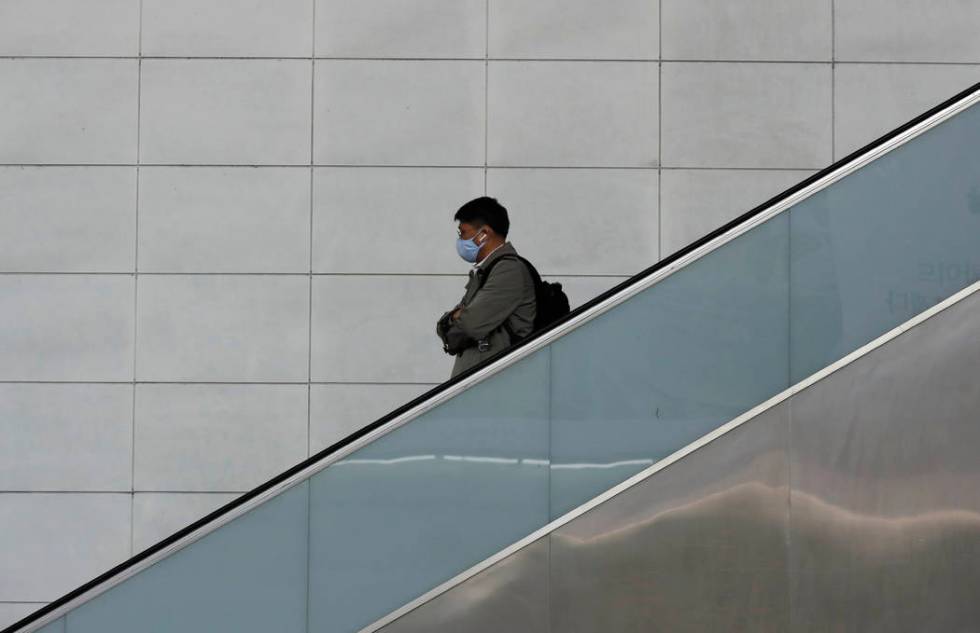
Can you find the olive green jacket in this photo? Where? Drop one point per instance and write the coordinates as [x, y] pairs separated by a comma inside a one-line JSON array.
[[507, 295]]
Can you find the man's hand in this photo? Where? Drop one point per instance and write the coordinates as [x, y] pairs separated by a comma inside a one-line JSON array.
[[454, 344]]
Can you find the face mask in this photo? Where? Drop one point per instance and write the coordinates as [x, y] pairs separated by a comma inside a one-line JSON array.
[[468, 249]]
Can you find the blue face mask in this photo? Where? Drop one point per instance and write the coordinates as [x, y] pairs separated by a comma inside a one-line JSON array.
[[468, 249]]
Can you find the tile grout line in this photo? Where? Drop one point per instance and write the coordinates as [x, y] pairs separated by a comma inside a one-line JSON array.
[[833, 80], [123, 492], [833, 31], [304, 274], [393, 166], [215, 382], [486, 93], [309, 316], [136, 268], [633, 60], [660, 127]]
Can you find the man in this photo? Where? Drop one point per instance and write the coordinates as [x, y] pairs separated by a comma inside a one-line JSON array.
[[495, 308]]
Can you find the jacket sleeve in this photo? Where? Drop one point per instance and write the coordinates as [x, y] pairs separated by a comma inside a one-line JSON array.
[[439, 323], [500, 295]]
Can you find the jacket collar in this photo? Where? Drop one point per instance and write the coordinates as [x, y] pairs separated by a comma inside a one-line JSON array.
[[504, 249]]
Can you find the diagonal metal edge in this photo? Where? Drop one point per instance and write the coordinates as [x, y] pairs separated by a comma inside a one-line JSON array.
[[852, 164], [697, 444]]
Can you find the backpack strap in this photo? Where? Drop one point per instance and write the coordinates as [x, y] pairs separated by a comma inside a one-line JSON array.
[[535, 279]]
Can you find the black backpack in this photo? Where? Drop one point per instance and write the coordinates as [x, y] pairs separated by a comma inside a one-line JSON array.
[[550, 300]]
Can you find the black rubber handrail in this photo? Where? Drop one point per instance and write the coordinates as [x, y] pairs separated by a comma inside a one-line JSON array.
[[435, 391]]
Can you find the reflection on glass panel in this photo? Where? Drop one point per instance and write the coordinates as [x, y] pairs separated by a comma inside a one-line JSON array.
[[249, 577], [657, 372], [418, 506]]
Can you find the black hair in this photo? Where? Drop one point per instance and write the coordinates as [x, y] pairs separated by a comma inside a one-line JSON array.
[[485, 211]]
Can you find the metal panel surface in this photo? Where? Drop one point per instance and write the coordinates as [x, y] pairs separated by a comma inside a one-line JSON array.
[[700, 546], [510, 596], [885, 523]]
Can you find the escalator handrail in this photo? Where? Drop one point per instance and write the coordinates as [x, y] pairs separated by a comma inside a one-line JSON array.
[[474, 375]]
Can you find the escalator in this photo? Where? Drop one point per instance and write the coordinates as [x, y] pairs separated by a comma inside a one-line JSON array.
[[670, 405], [849, 503]]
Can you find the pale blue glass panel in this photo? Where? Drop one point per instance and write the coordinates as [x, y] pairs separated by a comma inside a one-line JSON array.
[[672, 363], [885, 243], [427, 501], [249, 576]]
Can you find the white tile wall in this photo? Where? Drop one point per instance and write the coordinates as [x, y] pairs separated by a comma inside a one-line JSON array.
[[574, 29], [227, 28], [157, 515], [11, 612], [908, 31], [385, 112], [223, 328], [746, 115], [66, 437], [789, 30], [401, 28], [872, 99], [598, 114], [217, 437], [68, 110], [337, 410], [581, 222], [42, 559], [66, 327], [229, 111], [224, 219], [379, 328], [67, 219], [69, 27], [694, 202], [389, 220]]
